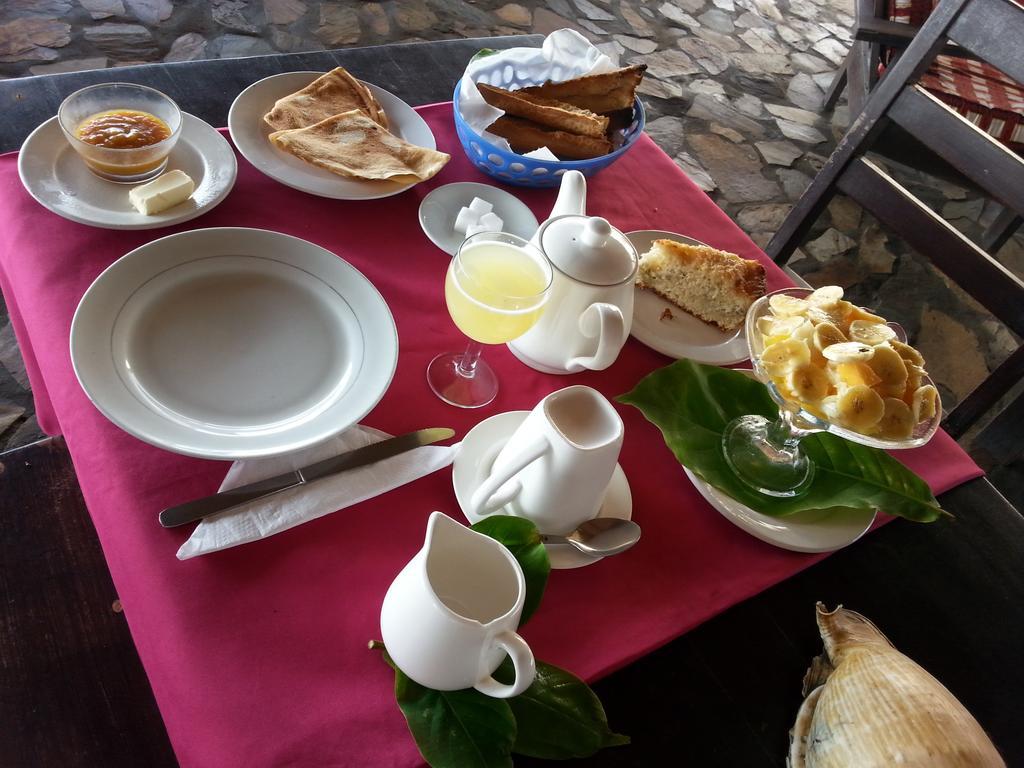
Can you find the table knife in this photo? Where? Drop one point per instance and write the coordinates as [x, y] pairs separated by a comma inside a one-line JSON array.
[[219, 502]]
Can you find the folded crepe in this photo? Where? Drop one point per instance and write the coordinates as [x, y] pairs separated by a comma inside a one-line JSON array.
[[331, 94], [353, 145]]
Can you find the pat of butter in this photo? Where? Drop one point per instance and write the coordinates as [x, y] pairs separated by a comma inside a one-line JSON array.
[[161, 193]]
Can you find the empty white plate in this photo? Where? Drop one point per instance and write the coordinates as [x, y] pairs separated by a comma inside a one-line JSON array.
[[682, 335], [58, 179], [440, 208], [817, 530], [249, 132], [233, 343]]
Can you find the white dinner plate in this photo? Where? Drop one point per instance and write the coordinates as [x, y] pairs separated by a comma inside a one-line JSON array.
[[233, 343], [816, 530], [249, 132], [683, 335], [58, 179], [440, 208], [473, 462]]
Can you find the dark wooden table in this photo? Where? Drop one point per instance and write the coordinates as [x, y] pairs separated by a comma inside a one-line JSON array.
[[949, 594]]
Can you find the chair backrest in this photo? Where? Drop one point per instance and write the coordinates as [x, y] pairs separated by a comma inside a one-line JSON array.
[[991, 30]]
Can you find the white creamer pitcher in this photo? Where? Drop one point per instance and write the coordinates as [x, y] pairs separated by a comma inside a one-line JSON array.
[[589, 310], [451, 614]]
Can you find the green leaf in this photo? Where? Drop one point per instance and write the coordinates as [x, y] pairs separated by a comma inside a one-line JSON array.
[[454, 729], [558, 716], [482, 53], [691, 405], [523, 540]]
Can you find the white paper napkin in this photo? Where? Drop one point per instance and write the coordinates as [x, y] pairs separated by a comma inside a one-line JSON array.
[[299, 505]]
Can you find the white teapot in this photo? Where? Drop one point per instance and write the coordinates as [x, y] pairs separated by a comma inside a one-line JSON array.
[[589, 310]]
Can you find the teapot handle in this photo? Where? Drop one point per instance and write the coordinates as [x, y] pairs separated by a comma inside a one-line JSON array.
[[606, 323]]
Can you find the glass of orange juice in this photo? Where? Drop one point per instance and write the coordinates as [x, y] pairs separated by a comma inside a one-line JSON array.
[[495, 289]]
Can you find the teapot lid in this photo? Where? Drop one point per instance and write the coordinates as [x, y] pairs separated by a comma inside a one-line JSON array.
[[588, 249]]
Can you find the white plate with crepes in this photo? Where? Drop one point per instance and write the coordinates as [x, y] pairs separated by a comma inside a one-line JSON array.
[[233, 343], [666, 328], [56, 176], [250, 134]]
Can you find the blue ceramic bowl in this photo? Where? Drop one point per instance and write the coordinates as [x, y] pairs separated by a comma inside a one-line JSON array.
[[528, 172]]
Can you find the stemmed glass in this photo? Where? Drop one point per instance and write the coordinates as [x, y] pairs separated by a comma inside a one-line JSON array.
[[766, 454], [495, 290]]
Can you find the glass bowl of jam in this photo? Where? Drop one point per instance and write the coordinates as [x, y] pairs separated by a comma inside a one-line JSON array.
[[123, 132]]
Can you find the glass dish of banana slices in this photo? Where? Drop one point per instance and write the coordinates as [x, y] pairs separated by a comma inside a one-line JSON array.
[[831, 366]]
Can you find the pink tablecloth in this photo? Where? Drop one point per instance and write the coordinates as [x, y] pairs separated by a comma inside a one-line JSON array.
[[257, 655]]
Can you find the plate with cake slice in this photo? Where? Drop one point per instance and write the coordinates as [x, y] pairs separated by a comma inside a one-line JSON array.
[[691, 299]]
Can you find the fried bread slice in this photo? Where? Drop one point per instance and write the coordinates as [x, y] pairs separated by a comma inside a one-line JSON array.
[[525, 136], [330, 94], [548, 112], [715, 286], [353, 145], [605, 92]]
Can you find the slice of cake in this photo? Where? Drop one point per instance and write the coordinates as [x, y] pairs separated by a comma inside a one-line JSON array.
[[716, 286]]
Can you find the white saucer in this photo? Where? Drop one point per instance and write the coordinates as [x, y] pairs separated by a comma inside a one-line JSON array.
[[249, 132], [439, 209], [58, 179], [473, 462], [683, 335], [817, 530]]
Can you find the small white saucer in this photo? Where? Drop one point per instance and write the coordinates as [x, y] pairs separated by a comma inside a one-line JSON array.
[[473, 463], [440, 208], [683, 335], [58, 179], [817, 530]]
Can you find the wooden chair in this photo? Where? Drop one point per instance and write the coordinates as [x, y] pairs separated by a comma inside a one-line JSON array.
[[879, 40], [992, 30]]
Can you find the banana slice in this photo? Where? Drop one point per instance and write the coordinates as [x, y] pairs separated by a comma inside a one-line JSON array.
[[860, 408], [890, 368], [786, 306], [871, 333], [826, 334], [826, 297], [859, 313], [925, 403], [769, 325], [915, 374], [897, 422], [907, 352], [783, 356], [804, 332], [846, 375], [808, 383], [849, 352]]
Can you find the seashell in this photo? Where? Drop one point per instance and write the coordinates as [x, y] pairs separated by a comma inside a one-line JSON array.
[[867, 705]]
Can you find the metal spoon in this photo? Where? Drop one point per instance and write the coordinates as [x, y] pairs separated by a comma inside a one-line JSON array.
[[600, 537]]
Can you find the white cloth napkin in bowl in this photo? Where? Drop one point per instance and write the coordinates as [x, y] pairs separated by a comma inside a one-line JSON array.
[[295, 506]]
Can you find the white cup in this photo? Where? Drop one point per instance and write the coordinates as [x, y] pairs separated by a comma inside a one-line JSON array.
[[450, 615], [556, 467]]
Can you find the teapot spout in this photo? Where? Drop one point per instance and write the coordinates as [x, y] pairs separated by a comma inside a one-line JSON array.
[[572, 195]]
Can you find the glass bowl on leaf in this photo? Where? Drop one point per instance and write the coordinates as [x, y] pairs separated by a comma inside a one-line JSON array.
[[831, 367]]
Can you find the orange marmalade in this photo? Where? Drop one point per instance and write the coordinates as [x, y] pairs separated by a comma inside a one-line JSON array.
[[123, 129]]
